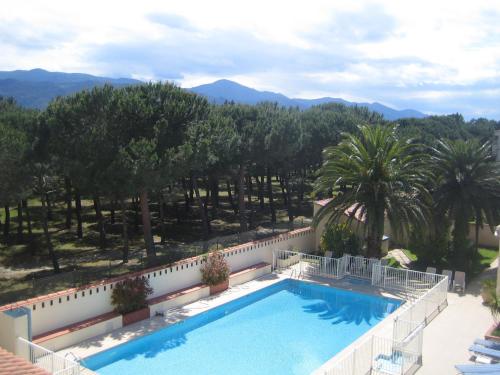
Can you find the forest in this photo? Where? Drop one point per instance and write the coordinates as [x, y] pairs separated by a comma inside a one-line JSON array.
[[109, 170]]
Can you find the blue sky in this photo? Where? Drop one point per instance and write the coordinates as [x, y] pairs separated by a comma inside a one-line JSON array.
[[435, 56]]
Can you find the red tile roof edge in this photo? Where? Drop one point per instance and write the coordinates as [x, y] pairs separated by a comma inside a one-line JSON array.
[[47, 297]]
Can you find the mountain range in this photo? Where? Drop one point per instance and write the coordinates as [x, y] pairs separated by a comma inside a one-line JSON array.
[[36, 88]]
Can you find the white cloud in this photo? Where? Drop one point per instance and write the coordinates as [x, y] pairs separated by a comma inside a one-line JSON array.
[[387, 51]]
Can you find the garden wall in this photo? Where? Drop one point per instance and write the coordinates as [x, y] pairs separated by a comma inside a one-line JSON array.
[[487, 238], [70, 306]]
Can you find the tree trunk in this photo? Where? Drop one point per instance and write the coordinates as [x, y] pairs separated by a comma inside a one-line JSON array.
[[260, 190], [123, 207], [50, 215], [191, 194], [204, 218], [186, 196], [163, 228], [78, 209], [136, 213], [270, 196], [112, 218], [146, 225], [100, 221], [283, 191], [28, 216], [460, 232], [48, 242], [375, 231], [241, 198], [230, 197], [214, 182], [288, 199], [20, 222], [69, 208], [249, 198], [6, 227]]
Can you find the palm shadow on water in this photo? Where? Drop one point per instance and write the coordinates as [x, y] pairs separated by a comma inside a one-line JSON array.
[[344, 306]]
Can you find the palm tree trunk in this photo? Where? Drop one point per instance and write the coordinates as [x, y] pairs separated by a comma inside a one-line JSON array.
[[78, 209], [146, 225], [125, 249], [69, 208]]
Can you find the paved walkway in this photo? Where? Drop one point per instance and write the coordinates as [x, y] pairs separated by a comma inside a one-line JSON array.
[[448, 337], [401, 257]]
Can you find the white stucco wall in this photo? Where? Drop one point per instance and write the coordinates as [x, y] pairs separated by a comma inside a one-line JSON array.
[[75, 305]]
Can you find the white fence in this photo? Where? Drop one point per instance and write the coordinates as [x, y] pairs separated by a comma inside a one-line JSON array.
[[378, 355], [311, 265], [426, 295], [47, 360]]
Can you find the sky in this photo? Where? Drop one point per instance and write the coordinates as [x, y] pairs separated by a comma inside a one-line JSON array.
[[435, 56]]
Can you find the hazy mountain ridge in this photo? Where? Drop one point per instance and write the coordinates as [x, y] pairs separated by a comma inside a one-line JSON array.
[[226, 90], [36, 88]]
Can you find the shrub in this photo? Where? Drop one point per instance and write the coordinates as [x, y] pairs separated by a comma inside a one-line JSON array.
[[340, 240], [215, 270], [130, 295]]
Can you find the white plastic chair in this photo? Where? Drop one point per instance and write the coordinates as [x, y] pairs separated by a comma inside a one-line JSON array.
[[431, 270], [459, 281], [448, 273]]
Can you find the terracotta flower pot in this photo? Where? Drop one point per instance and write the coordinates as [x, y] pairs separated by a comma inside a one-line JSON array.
[[489, 333], [135, 316], [214, 289]]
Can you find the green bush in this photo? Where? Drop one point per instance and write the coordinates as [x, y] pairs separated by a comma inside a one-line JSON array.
[[130, 295], [215, 270], [340, 240]]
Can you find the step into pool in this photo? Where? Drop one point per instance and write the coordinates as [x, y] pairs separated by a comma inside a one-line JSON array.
[[291, 327]]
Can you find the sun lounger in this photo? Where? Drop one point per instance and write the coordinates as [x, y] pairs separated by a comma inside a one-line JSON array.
[[450, 277], [478, 369], [488, 344], [431, 270], [484, 351], [459, 281]]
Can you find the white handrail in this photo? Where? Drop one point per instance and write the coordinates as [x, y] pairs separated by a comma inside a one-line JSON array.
[[47, 359]]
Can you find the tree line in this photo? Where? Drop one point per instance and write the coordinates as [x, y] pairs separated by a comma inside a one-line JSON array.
[[134, 145]]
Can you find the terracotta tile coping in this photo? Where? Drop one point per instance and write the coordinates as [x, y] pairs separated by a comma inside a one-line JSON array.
[[153, 301], [63, 293]]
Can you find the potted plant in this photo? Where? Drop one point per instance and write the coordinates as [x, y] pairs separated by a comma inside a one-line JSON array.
[[494, 332], [488, 290], [129, 298], [215, 272]]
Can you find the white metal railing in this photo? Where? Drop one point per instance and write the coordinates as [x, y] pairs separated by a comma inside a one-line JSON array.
[[380, 355], [47, 359], [426, 294], [313, 265]]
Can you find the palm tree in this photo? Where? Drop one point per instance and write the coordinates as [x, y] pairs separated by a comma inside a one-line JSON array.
[[374, 174], [468, 187]]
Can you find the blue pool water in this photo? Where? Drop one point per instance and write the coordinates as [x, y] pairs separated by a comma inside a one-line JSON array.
[[291, 327]]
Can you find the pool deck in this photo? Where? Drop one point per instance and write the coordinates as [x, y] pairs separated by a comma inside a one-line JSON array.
[[448, 337], [107, 341]]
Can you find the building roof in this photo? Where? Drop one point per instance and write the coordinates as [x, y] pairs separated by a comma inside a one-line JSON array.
[[11, 364]]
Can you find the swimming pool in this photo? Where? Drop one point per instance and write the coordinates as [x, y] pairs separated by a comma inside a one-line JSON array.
[[291, 327]]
